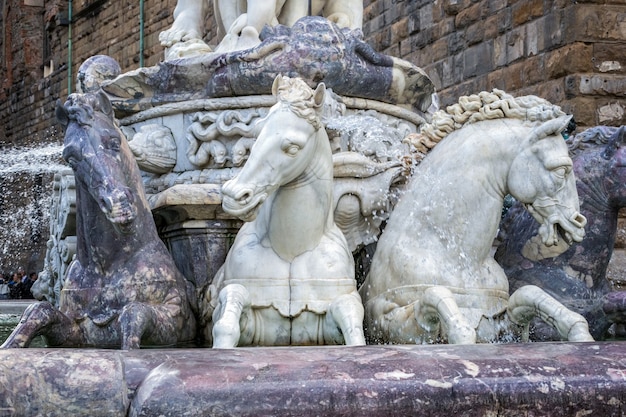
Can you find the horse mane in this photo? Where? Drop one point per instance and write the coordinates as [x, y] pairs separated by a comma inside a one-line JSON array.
[[485, 106], [82, 108], [299, 97]]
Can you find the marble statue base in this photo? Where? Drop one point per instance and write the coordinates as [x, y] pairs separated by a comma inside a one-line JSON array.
[[539, 379]]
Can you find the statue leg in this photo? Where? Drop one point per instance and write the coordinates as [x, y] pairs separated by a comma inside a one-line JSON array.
[[234, 300], [530, 301], [189, 17], [347, 312], [259, 14], [345, 14], [439, 306], [143, 321], [44, 319]]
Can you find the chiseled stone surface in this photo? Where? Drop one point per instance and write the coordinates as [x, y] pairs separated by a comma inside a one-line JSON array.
[[538, 379]]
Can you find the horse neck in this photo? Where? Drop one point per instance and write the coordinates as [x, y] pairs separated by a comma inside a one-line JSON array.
[[300, 213], [468, 181], [99, 244]]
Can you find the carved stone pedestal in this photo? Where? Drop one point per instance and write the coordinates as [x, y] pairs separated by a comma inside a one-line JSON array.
[[199, 247], [194, 228]]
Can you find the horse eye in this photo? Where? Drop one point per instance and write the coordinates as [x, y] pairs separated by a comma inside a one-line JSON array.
[[114, 143], [292, 149]]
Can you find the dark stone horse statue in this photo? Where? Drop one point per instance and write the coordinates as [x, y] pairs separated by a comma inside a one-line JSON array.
[[123, 288], [575, 275]]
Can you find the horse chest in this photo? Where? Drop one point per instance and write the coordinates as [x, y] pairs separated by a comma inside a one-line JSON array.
[[295, 222]]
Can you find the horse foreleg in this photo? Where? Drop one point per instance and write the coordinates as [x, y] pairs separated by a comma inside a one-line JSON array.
[[438, 305], [139, 321], [44, 319], [234, 299], [347, 312], [530, 301]]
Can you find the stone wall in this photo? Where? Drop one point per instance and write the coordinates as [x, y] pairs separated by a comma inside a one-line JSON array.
[[570, 53]]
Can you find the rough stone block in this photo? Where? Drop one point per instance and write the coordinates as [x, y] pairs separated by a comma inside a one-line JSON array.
[[474, 33], [551, 90], [490, 26], [514, 77], [452, 71], [478, 59], [610, 57], [603, 84], [495, 79], [525, 11], [439, 49], [443, 28], [554, 30], [569, 59], [468, 16], [399, 30], [583, 109], [612, 113], [499, 51], [452, 7], [532, 73], [515, 44]]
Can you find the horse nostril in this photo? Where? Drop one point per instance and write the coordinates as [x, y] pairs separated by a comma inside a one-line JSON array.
[[244, 197], [579, 220], [106, 204]]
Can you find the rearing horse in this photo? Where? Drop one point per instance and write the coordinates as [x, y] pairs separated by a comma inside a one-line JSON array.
[[123, 289], [289, 277], [432, 278]]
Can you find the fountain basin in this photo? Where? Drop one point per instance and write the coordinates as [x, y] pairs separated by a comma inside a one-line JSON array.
[[538, 379]]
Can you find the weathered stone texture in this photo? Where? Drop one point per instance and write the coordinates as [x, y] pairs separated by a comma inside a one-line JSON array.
[[527, 47], [535, 379]]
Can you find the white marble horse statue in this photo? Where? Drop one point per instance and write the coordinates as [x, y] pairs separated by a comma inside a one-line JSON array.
[[432, 278], [288, 279]]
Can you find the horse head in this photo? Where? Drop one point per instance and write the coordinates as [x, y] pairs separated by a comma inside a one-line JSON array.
[[283, 150], [96, 150], [541, 177]]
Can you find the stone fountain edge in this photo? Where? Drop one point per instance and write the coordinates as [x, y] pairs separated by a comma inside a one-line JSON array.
[[535, 379]]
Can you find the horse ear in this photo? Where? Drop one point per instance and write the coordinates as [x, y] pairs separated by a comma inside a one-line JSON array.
[[277, 82], [61, 114], [318, 95], [104, 103], [551, 127]]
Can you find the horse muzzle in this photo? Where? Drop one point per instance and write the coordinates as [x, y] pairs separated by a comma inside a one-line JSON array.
[[241, 202], [119, 208], [556, 221]]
